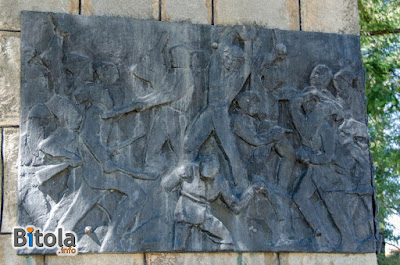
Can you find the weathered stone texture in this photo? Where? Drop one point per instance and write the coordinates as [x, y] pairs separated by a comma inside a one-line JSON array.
[[9, 78], [196, 11], [141, 9], [1, 170], [326, 259], [8, 254], [212, 258], [104, 259], [281, 14], [10, 154], [186, 137], [339, 16], [10, 10]]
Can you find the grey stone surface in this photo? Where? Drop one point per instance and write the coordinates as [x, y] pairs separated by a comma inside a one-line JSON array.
[[1, 170], [281, 14], [10, 10], [195, 11], [327, 259], [104, 259], [8, 255], [141, 9], [10, 68], [212, 258], [158, 136], [10, 171], [339, 16]]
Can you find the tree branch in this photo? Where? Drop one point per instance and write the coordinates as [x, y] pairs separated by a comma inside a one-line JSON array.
[[380, 32], [393, 245]]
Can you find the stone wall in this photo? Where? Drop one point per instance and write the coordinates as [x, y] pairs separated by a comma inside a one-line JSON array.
[[333, 16]]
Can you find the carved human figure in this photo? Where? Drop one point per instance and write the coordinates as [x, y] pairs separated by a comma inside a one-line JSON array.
[[345, 83], [228, 71], [173, 96], [319, 138], [40, 125], [352, 162], [201, 184], [100, 171], [63, 142], [320, 78], [259, 133]]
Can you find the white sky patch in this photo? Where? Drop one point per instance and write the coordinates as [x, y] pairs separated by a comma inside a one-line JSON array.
[[395, 221]]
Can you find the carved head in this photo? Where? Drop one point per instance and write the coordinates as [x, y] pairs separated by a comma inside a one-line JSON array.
[[39, 115], [79, 66], [356, 132], [311, 100], [343, 82], [271, 78], [232, 57], [248, 102], [209, 168], [180, 57], [321, 76], [281, 51], [107, 73], [93, 93]]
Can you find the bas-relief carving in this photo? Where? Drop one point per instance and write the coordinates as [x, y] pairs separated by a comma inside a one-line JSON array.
[[149, 136]]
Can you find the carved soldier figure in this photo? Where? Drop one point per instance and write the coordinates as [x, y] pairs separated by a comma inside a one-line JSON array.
[[199, 186], [228, 72], [315, 136], [253, 130], [320, 78], [99, 164], [321, 182], [173, 96]]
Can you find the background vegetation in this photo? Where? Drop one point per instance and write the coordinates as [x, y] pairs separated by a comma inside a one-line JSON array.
[[380, 41]]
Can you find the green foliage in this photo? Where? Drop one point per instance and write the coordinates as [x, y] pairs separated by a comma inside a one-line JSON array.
[[379, 22], [393, 259]]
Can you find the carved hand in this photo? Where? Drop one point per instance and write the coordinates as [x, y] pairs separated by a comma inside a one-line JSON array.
[[248, 33], [76, 161], [109, 167], [259, 187], [303, 155], [278, 132]]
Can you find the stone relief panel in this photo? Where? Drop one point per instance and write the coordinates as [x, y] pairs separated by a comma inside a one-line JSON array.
[[146, 136]]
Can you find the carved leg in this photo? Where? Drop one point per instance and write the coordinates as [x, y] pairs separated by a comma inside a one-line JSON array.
[[219, 233], [302, 198], [286, 165], [340, 218], [182, 232], [156, 139], [127, 208], [83, 201], [222, 124], [197, 133]]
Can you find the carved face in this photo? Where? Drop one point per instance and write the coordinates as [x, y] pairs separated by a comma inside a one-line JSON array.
[[232, 57], [281, 51], [356, 132], [209, 168], [343, 82], [310, 105], [248, 102], [271, 78], [180, 57], [79, 66], [108, 74], [321, 76]]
